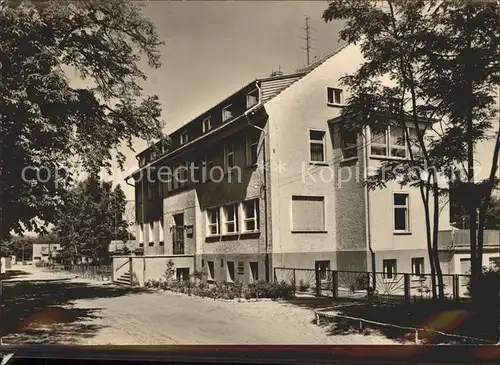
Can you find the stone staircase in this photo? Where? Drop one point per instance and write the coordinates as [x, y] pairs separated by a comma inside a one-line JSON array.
[[123, 279]]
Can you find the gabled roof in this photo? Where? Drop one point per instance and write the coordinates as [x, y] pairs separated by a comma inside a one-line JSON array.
[[270, 88]]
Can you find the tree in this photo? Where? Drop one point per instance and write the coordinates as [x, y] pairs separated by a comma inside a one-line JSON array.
[[386, 93], [462, 64], [50, 126], [417, 46], [91, 214]]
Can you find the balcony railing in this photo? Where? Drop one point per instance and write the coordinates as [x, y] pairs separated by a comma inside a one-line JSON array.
[[460, 238]]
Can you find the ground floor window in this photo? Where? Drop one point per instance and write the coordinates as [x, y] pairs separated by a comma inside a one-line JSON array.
[[211, 271], [182, 273], [417, 267], [230, 271], [254, 271], [389, 269], [323, 267]]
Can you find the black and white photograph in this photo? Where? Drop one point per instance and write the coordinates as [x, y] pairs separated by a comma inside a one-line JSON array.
[[250, 172]]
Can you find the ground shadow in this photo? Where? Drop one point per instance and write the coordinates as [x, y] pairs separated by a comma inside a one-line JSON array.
[[40, 311], [13, 274], [448, 316]]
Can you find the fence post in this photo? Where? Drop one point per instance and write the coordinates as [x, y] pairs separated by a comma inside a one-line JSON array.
[[294, 282], [318, 282], [130, 270], [407, 287], [274, 274], [456, 286], [335, 284]]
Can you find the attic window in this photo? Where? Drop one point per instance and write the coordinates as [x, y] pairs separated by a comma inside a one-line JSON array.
[[206, 125], [184, 137], [227, 113], [334, 96], [252, 98]]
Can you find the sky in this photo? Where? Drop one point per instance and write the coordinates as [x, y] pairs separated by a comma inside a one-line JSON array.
[[213, 48]]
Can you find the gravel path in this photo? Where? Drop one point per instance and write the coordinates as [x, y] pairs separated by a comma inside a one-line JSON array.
[[168, 318]]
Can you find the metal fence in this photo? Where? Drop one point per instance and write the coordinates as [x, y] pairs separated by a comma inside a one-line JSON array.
[[98, 272], [359, 284]]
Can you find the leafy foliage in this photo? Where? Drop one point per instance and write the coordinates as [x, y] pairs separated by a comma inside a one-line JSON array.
[[91, 214], [51, 125]]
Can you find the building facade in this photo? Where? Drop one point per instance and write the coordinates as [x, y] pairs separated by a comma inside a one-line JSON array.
[[266, 179], [44, 252]]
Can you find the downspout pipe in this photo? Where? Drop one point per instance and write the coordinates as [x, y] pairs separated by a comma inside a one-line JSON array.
[[266, 239], [367, 210]]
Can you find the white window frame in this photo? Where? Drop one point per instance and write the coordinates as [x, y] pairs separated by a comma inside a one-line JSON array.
[[256, 99], [217, 224], [184, 137], [254, 219], [413, 266], [389, 145], [226, 221], [151, 238], [161, 232], [252, 278], [227, 108], [333, 102], [226, 156], [407, 207], [394, 272], [208, 126], [315, 141], [249, 145]]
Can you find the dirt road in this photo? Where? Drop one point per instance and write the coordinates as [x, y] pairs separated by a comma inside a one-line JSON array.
[[63, 309]]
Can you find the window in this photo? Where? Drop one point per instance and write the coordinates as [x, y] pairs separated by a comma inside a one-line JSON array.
[[334, 96], [178, 234], [349, 143], [322, 267], [389, 269], [182, 273], [184, 137], [495, 262], [254, 271], [211, 271], [391, 142], [228, 157], [308, 213], [401, 212], [378, 142], [206, 125], [417, 267], [397, 142], [141, 233], [230, 218], [252, 149], [142, 161], [150, 234], [213, 221], [251, 215], [230, 271], [252, 98], [161, 232], [227, 113], [317, 146]]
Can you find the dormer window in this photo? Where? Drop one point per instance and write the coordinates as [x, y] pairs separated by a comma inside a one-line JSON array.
[[184, 137], [206, 125], [227, 113], [252, 98], [335, 96], [142, 161]]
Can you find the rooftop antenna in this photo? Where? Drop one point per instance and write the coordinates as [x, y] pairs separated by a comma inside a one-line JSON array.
[[307, 39]]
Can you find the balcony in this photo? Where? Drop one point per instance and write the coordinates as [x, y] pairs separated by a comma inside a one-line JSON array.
[[459, 239]]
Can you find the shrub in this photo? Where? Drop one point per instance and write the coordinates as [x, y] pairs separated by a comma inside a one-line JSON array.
[[273, 290], [303, 286]]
